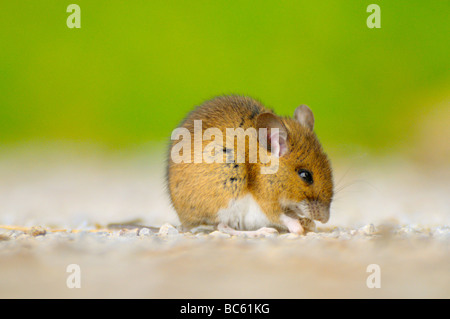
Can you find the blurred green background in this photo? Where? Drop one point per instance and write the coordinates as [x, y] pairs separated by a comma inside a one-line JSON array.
[[134, 69]]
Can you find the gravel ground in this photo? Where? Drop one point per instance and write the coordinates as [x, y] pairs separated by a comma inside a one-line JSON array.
[[58, 211]]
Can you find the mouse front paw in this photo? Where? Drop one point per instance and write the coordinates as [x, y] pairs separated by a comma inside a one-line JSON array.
[[308, 225]]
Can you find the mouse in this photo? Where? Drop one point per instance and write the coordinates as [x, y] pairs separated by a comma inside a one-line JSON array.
[[237, 166]]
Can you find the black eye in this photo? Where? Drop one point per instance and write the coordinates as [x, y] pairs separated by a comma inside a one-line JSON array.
[[306, 176]]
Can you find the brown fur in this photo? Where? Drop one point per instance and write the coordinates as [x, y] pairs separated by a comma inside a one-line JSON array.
[[199, 190]]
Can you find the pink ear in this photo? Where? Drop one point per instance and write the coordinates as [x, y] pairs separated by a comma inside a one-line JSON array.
[[272, 128], [278, 142], [304, 116]]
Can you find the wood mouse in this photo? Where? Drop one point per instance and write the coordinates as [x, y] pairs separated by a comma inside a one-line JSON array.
[[231, 193]]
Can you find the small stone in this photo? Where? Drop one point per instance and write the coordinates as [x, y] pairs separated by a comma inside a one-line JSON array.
[[218, 234], [167, 230], [345, 236], [289, 236], [407, 230], [369, 229], [333, 234], [102, 234], [36, 231], [145, 232], [202, 229], [264, 232], [128, 232], [441, 232]]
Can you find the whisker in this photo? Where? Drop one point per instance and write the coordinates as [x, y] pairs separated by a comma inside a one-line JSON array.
[[343, 176]]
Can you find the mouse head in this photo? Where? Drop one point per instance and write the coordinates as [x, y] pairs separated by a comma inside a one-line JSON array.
[[303, 184]]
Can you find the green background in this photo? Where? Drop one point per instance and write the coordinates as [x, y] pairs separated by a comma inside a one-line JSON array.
[[133, 70]]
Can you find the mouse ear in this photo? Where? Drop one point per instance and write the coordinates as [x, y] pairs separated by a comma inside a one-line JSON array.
[[304, 116], [274, 138]]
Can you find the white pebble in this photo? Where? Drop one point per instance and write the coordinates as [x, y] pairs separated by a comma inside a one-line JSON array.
[[345, 236], [145, 232], [369, 229], [333, 234], [167, 230], [441, 232], [289, 236], [218, 234], [128, 232]]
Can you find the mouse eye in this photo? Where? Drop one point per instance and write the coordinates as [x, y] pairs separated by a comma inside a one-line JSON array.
[[306, 176]]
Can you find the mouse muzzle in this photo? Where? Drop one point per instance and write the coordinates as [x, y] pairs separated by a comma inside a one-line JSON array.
[[313, 209]]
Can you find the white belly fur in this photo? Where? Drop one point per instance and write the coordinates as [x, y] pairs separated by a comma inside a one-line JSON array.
[[243, 214]]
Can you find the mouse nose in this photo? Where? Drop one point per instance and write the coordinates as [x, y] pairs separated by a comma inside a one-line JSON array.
[[324, 217], [320, 212]]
